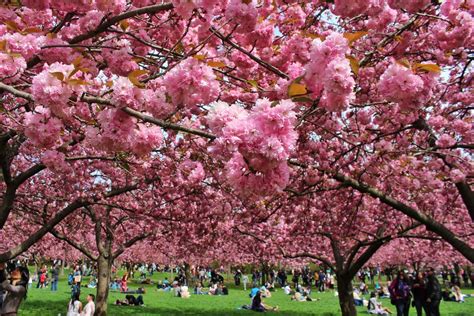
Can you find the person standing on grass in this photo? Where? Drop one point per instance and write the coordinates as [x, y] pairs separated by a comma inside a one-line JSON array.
[[400, 294], [89, 309], [237, 277], [74, 306], [433, 293], [245, 280], [54, 278], [419, 294]]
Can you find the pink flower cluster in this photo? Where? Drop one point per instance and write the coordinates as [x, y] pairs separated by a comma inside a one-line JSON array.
[[191, 172], [243, 14], [445, 141], [115, 133], [120, 61], [55, 161], [145, 139], [118, 131], [49, 90], [125, 94], [153, 100], [11, 68], [257, 144], [460, 32], [352, 8], [62, 54], [27, 45], [328, 74], [191, 83], [185, 7], [399, 84], [114, 6], [42, 129], [411, 6]]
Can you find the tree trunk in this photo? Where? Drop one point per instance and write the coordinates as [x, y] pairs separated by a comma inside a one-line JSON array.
[[187, 273], [104, 266], [346, 299]]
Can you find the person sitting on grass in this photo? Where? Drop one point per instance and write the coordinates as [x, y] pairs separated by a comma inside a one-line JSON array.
[[213, 289], [287, 290], [92, 283], [259, 306], [457, 294], [363, 288], [184, 292], [265, 292], [123, 285], [358, 300], [254, 291], [225, 290], [270, 286], [115, 285], [375, 307], [382, 292], [199, 289]]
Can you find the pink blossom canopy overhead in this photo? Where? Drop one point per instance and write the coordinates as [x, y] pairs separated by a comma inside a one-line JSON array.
[[241, 117]]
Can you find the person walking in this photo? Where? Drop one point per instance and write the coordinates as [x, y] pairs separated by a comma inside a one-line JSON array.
[[400, 294], [433, 293]]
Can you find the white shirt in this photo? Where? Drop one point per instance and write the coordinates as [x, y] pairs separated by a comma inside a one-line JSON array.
[[73, 309], [89, 309], [287, 290]]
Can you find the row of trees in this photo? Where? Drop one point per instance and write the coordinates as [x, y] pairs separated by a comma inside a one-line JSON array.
[[237, 131]]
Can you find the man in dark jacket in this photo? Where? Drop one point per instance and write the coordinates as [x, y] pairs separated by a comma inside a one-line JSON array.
[[433, 293]]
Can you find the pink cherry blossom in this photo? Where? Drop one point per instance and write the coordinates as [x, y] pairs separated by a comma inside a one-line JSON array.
[[49, 90], [191, 83], [42, 129], [445, 141], [399, 84], [11, 67]]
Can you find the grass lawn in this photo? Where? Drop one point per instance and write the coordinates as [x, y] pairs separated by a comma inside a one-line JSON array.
[[45, 303]]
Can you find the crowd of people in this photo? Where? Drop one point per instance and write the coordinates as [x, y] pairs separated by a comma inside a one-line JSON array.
[[422, 291], [419, 290]]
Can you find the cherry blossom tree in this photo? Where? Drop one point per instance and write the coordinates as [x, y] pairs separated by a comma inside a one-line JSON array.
[[255, 101]]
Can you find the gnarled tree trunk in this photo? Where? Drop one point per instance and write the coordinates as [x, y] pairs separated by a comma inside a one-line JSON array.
[[346, 299], [104, 266]]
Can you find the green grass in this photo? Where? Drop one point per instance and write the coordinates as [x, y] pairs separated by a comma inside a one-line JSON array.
[[44, 302]]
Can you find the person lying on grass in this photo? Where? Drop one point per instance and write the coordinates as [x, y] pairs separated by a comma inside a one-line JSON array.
[[131, 300], [303, 297]]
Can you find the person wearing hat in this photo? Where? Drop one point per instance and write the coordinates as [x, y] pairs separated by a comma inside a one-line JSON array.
[[15, 290]]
